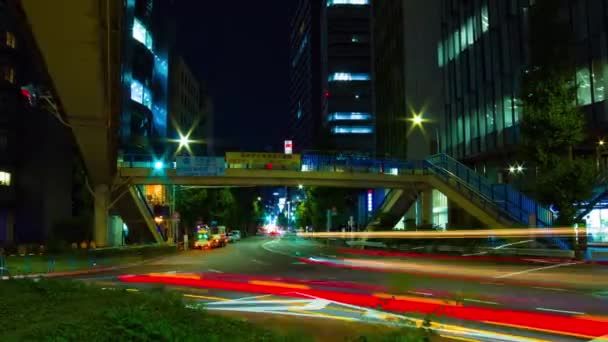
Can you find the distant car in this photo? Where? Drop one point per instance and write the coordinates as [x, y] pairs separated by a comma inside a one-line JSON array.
[[235, 235], [202, 244]]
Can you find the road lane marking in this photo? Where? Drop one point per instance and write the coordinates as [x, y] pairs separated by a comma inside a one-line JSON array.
[[508, 275], [421, 293], [561, 311], [417, 248], [214, 270], [266, 301], [250, 297], [556, 332], [512, 244], [279, 284], [318, 314], [273, 251], [540, 261], [259, 262], [480, 301], [132, 290], [299, 263], [549, 288], [473, 254], [205, 297], [457, 338]]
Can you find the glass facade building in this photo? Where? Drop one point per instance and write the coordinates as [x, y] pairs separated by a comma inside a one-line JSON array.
[[145, 69], [305, 87], [331, 76], [483, 52], [405, 82]]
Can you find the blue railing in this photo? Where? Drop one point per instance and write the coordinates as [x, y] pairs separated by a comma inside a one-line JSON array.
[[512, 203], [517, 205]]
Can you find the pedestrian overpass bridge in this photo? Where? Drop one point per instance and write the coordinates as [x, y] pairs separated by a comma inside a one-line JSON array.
[[492, 204]]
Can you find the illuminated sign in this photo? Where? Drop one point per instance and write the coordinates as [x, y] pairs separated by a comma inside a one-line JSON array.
[[370, 200], [288, 147], [255, 159]]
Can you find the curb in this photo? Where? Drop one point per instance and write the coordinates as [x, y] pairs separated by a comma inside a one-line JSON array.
[[78, 272]]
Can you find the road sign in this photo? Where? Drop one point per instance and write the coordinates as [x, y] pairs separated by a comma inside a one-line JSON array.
[[288, 147], [200, 166]]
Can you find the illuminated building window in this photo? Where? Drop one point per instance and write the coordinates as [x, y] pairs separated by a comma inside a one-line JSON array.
[[147, 98], [141, 34], [440, 209], [137, 92], [461, 39], [347, 2], [9, 74], [10, 39], [351, 130], [347, 76], [161, 66], [584, 87], [354, 116], [5, 178]]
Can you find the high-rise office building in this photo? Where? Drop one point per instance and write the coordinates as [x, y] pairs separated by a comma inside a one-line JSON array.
[[146, 45], [188, 109], [484, 49], [305, 86], [331, 76], [406, 84]]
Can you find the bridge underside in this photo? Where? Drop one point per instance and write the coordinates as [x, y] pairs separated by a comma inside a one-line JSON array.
[[78, 45], [79, 42]]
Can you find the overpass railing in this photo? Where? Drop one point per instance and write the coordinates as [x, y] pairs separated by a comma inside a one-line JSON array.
[[511, 202], [309, 162]]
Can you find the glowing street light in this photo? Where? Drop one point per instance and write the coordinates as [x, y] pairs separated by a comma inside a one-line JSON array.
[[300, 186], [184, 141], [159, 165], [601, 142], [517, 168], [417, 119]]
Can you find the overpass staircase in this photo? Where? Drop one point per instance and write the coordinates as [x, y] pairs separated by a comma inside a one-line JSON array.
[[509, 206], [136, 213], [395, 204]]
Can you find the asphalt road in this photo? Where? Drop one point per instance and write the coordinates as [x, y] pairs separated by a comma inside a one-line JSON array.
[[558, 290]]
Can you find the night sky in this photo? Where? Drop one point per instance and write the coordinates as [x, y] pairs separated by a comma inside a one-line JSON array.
[[239, 49]]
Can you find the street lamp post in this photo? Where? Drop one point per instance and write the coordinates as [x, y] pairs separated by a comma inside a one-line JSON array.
[[600, 145]]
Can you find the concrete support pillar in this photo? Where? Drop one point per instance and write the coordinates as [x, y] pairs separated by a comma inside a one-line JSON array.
[[102, 202], [427, 206]]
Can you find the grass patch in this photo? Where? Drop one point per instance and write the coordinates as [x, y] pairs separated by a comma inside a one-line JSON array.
[[52, 310]]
